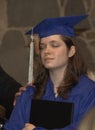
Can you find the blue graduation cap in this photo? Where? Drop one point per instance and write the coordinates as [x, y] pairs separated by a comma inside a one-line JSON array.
[[61, 25]]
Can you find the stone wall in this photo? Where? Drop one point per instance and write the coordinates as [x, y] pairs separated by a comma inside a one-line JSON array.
[[17, 16]]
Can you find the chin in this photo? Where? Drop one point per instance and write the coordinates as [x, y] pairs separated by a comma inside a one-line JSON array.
[[49, 67]]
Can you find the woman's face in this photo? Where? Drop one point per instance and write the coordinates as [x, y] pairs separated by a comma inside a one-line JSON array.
[[54, 52]]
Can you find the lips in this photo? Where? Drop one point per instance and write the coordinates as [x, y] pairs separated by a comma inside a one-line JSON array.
[[48, 59]]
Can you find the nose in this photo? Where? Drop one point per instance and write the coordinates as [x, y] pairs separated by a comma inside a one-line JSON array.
[[47, 50]]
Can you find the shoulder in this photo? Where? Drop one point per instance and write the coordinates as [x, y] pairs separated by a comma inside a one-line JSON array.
[[84, 86], [86, 82], [26, 95], [30, 90]]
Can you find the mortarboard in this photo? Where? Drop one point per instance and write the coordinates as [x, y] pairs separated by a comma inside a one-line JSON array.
[[61, 25]]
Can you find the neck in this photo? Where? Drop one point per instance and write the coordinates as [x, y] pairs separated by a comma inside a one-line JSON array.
[[57, 76]]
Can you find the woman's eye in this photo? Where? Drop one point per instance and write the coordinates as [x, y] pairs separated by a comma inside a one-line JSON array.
[[55, 45], [42, 47]]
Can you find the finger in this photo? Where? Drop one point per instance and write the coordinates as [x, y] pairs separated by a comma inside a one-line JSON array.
[[22, 88], [14, 102], [27, 124], [15, 97], [17, 94]]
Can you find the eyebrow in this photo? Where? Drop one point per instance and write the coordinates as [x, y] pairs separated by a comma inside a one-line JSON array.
[[53, 41]]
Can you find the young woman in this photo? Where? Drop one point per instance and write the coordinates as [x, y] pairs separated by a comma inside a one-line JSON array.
[[61, 75]]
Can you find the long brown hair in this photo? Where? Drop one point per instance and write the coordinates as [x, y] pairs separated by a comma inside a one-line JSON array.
[[75, 68]]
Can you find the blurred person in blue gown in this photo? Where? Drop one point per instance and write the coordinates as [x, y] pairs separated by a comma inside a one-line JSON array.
[[60, 74], [88, 122]]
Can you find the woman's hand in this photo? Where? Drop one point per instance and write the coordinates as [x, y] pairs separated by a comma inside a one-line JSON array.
[[29, 126], [21, 89]]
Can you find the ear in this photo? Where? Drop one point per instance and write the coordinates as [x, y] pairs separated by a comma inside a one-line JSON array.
[[72, 51]]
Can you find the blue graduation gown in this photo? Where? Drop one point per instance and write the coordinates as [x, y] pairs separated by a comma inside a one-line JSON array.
[[82, 95]]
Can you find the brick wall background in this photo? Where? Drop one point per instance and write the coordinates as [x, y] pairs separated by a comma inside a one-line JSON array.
[[17, 16]]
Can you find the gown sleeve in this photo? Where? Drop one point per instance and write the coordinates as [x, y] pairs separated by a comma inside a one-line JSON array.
[[20, 114]]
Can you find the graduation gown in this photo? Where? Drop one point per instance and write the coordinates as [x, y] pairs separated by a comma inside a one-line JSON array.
[[82, 95]]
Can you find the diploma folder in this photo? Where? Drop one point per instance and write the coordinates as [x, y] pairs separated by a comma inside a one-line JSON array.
[[51, 114]]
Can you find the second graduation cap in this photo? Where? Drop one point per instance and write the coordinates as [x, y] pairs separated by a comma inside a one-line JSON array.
[[61, 25]]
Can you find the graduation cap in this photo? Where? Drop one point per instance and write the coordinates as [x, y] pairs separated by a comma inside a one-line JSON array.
[[61, 25]]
